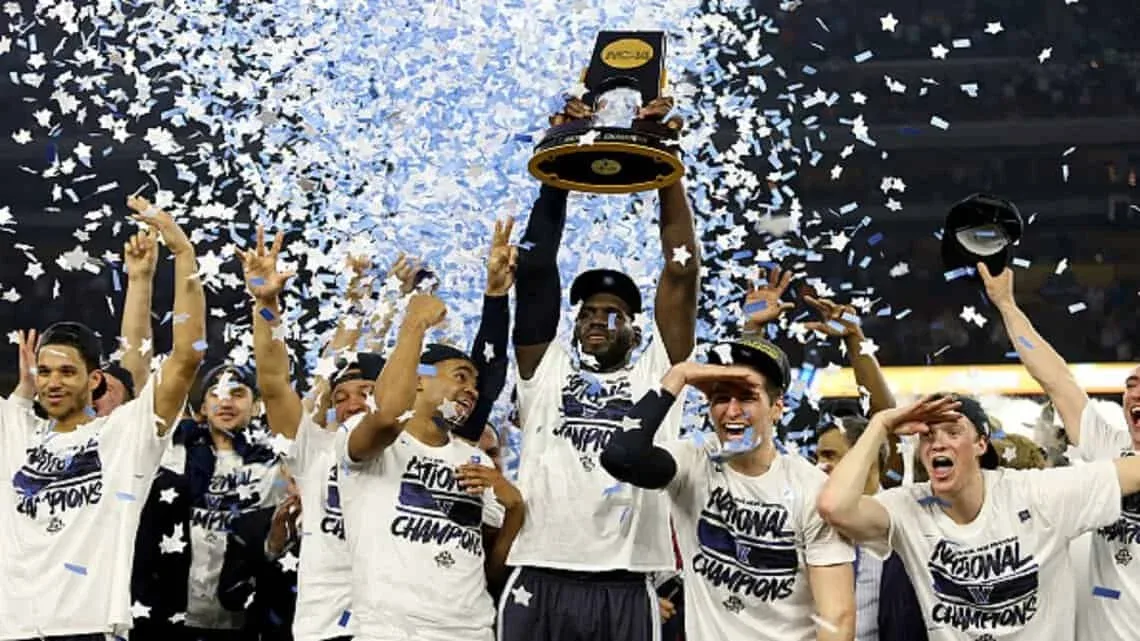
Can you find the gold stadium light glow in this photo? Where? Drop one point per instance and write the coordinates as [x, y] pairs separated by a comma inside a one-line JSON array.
[[1009, 380]]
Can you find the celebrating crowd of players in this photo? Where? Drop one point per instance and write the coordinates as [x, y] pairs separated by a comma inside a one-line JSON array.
[[140, 503]]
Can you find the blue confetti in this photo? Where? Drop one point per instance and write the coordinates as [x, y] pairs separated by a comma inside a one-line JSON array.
[[930, 500], [257, 281], [894, 476], [875, 239], [1024, 342], [742, 254], [124, 496], [613, 489], [77, 569], [201, 345], [425, 370], [344, 617], [267, 314], [1106, 593], [755, 307]]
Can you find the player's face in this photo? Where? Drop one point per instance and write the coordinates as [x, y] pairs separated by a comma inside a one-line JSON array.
[[450, 393], [115, 396], [830, 449], [351, 398], [1131, 403], [229, 407], [736, 408], [604, 329], [950, 453], [63, 384]]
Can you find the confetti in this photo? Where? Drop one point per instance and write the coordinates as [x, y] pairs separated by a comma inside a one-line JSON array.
[[1105, 593], [77, 569], [425, 370]]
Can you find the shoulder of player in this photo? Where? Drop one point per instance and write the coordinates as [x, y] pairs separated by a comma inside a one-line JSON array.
[[462, 452]]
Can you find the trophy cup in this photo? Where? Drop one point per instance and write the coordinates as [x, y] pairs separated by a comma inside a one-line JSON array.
[[613, 153]]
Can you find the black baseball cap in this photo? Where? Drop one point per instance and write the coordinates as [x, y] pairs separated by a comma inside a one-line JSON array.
[[238, 375], [606, 281], [761, 355], [980, 229], [438, 352], [121, 373], [363, 366], [973, 410]]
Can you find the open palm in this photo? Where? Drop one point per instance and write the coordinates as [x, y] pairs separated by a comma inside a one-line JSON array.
[[762, 305]]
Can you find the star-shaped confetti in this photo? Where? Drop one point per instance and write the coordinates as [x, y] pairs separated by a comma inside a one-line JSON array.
[[889, 22]]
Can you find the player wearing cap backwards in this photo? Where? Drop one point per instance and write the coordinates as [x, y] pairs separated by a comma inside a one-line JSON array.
[[428, 518], [324, 589], [587, 546], [1115, 546], [986, 549], [758, 560], [69, 514]]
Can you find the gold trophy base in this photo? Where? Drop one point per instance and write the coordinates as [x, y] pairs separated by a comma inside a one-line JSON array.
[[617, 161]]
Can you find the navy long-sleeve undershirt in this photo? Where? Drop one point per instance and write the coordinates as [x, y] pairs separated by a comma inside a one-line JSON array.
[[631, 456]]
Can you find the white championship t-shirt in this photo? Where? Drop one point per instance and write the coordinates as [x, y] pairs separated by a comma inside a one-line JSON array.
[[1114, 552], [69, 510], [415, 541], [1007, 574], [747, 542], [237, 488], [578, 517], [324, 579]]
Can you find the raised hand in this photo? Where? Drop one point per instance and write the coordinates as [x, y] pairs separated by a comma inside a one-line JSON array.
[[836, 320], [762, 305], [405, 270], [259, 265], [574, 109], [999, 288], [172, 235], [917, 417], [26, 342], [140, 255], [704, 376], [425, 311], [502, 259], [359, 286], [475, 479], [284, 526], [657, 109]]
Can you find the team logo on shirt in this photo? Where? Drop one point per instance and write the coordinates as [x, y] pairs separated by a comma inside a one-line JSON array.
[[747, 548], [229, 496], [50, 484], [333, 520], [1126, 530], [591, 410], [984, 589], [433, 509]]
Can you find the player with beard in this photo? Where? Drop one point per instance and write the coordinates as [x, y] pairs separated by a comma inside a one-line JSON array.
[[68, 523], [428, 518], [1113, 548], [758, 560], [589, 543], [987, 549], [324, 590]]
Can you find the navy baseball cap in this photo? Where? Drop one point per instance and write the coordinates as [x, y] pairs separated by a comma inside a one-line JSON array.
[[606, 281], [761, 355], [980, 229]]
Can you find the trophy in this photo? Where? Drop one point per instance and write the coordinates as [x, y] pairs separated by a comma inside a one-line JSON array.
[[612, 152]]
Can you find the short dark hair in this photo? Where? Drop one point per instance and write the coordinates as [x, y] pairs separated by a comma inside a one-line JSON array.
[[853, 428], [78, 336]]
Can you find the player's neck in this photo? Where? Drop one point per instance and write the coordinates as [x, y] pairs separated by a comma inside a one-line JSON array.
[[964, 505], [756, 462], [423, 429], [223, 441], [70, 422]]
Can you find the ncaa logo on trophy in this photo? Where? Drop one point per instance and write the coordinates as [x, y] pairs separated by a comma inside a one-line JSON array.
[[613, 152]]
